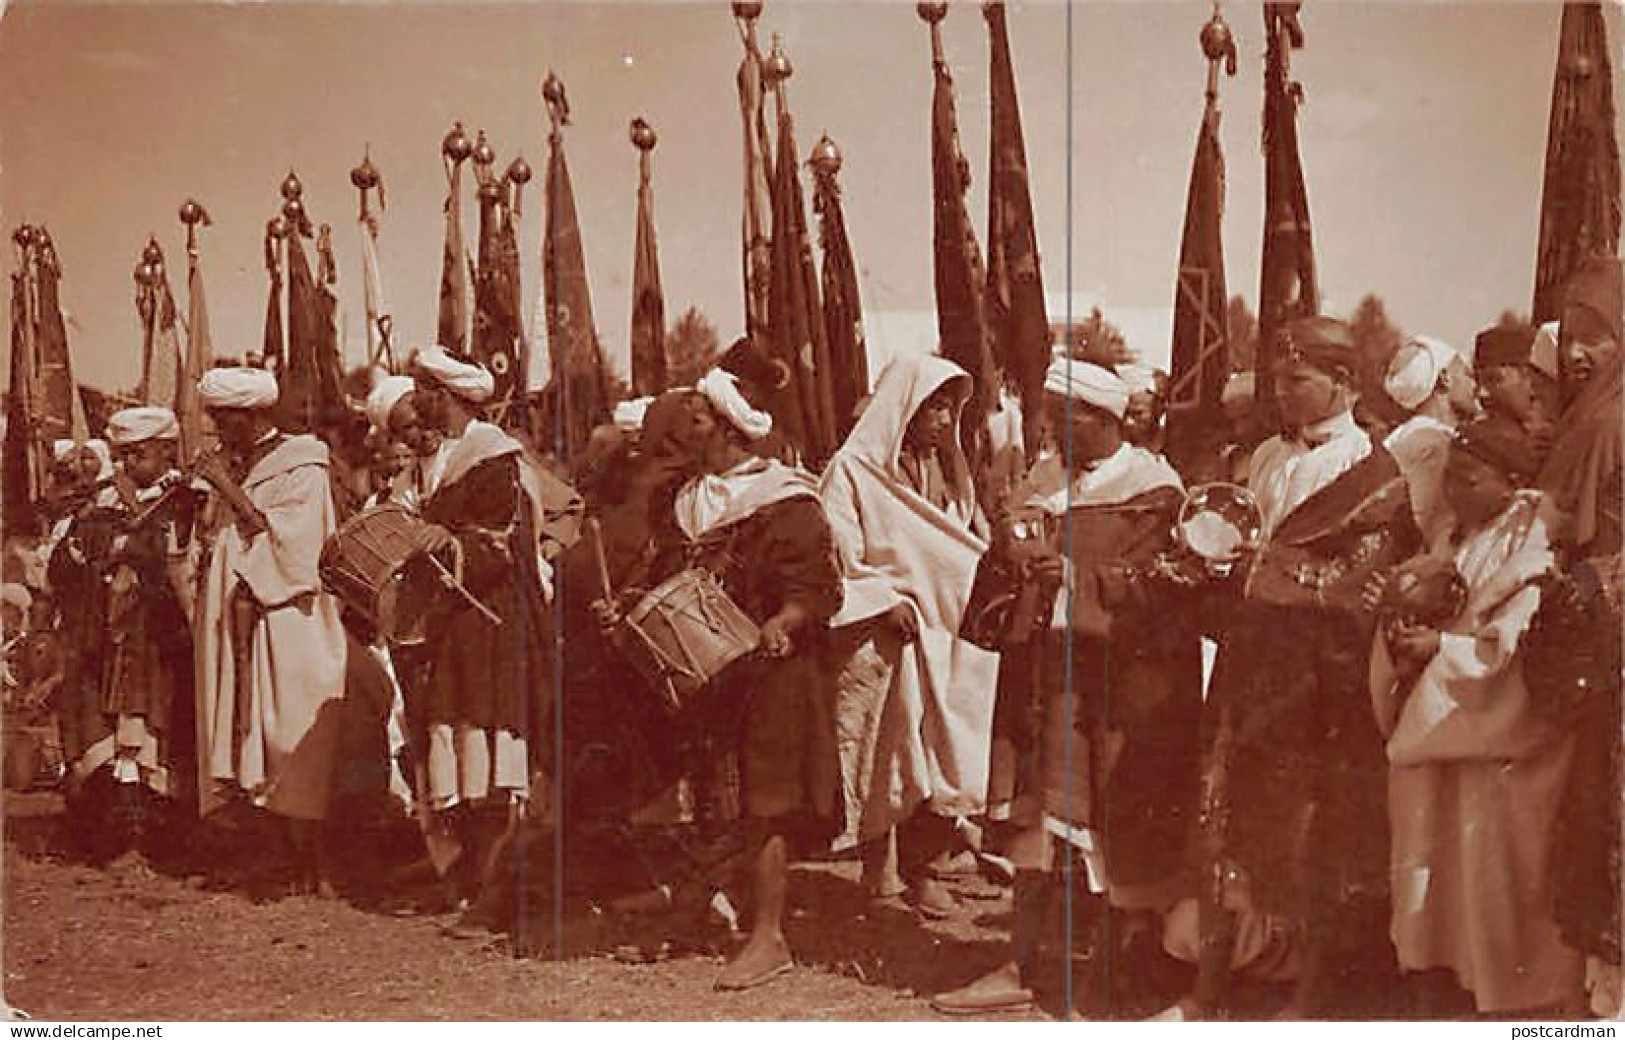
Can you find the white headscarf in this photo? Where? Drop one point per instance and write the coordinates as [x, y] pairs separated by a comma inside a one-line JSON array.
[[721, 388], [237, 388], [134, 425], [1087, 382], [473, 383], [386, 394]]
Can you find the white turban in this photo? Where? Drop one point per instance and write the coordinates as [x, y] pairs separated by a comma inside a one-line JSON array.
[[628, 415], [470, 382], [386, 394], [721, 388], [134, 425], [1087, 382], [237, 388], [1414, 372], [63, 450]]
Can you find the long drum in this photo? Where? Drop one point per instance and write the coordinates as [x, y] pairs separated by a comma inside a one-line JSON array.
[[368, 562], [683, 633]]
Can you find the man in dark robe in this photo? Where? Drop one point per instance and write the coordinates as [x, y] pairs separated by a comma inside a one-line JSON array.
[[1295, 801], [127, 714], [757, 525], [485, 692], [1114, 682]]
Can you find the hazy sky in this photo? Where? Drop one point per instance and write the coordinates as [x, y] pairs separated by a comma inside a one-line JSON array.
[[1423, 137]]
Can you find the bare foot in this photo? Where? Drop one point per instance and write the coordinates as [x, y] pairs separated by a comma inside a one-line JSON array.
[[998, 990], [762, 959], [933, 900]]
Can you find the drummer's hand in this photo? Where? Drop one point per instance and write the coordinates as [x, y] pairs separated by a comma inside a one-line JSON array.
[[432, 538], [774, 639], [901, 618], [606, 613], [1047, 569]]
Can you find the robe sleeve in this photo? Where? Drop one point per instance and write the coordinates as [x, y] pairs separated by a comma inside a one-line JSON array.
[[866, 593], [798, 559], [280, 564], [1470, 701]]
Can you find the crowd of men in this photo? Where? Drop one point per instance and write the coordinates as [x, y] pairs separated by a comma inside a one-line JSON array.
[[1402, 748]]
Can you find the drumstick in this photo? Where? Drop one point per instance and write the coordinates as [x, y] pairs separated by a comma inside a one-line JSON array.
[[454, 582], [597, 530]]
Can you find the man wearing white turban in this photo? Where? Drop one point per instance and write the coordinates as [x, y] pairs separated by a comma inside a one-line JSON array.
[[1429, 379], [470, 382], [1106, 662], [480, 699], [126, 708], [271, 651], [757, 525]]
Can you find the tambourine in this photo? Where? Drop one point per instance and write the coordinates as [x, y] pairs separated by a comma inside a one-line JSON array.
[[1219, 523]]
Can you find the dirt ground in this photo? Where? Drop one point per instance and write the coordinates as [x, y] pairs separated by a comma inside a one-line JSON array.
[[127, 941]]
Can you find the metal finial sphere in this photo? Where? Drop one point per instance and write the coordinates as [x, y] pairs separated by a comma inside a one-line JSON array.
[[148, 273], [777, 69], [366, 175], [294, 211], [519, 171], [483, 155], [152, 254], [643, 135], [1216, 39], [749, 10], [277, 227], [455, 145], [931, 12], [192, 212], [291, 187], [552, 89], [826, 157], [23, 236]]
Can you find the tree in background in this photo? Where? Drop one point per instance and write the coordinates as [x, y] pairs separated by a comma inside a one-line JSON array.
[[1511, 319], [1376, 340], [615, 384], [1097, 340], [1241, 325], [691, 348]]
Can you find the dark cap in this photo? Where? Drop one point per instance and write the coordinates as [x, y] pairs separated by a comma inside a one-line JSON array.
[[760, 374], [1325, 343], [1502, 345]]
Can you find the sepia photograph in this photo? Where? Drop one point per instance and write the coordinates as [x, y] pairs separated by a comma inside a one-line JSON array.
[[812, 511]]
